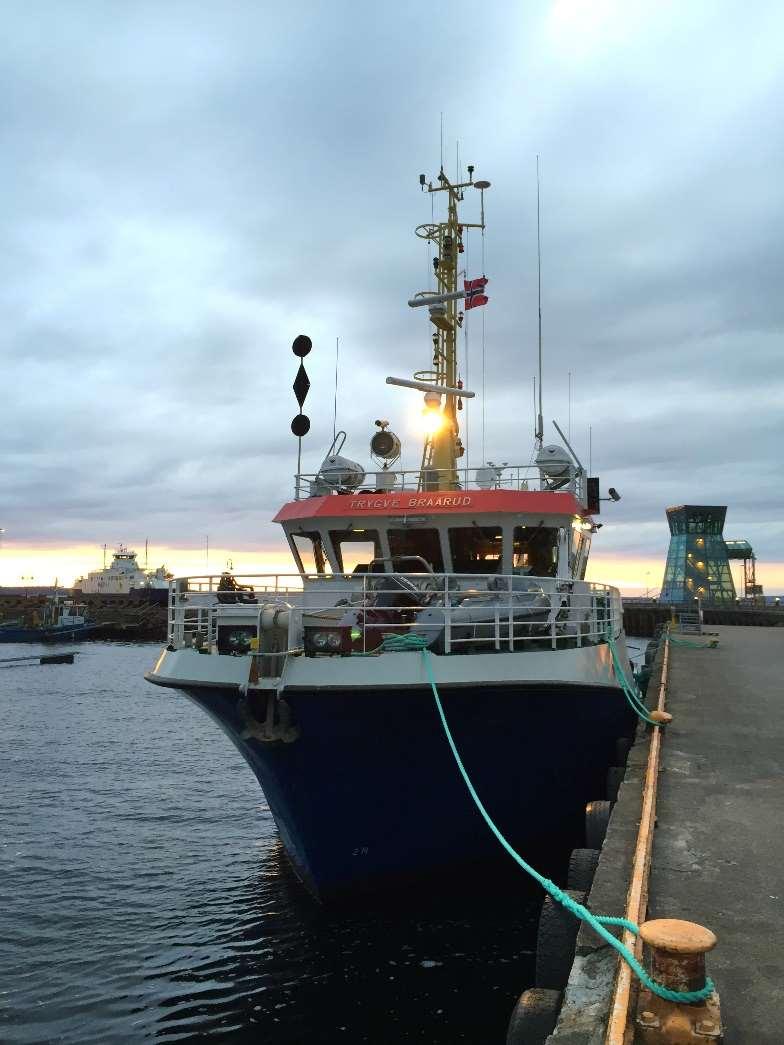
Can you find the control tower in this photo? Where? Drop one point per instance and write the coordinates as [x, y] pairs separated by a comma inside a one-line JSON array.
[[697, 564]]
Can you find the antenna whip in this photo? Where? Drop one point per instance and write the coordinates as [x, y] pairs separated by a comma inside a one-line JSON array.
[[335, 408], [539, 419]]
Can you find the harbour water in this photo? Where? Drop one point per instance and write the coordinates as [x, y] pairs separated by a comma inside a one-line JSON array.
[[145, 894]]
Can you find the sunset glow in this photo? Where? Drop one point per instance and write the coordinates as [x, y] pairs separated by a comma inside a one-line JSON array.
[[30, 566], [634, 575]]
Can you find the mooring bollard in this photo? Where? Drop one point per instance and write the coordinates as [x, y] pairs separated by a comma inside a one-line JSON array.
[[678, 952], [661, 718]]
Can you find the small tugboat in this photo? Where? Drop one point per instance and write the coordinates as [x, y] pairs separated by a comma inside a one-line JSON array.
[[59, 620], [320, 678]]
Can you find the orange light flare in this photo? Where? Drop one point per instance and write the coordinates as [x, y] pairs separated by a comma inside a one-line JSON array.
[[432, 422]]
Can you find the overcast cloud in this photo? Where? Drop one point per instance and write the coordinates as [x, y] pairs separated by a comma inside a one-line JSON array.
[[186, 187]]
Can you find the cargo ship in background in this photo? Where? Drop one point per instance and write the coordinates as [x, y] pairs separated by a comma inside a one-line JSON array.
[[123, 576], [321, 678]]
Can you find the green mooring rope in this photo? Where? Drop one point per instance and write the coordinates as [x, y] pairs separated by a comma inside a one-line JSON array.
[[692, 645], [394, 643], [596, 922], [630, 689]]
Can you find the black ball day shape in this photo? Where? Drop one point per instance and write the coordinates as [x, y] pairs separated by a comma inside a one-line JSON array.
[[302, 345]]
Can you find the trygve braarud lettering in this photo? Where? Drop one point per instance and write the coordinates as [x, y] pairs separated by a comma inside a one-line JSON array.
[[421, 501]]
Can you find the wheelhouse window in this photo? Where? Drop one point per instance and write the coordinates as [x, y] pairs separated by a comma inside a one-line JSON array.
[[355, 550], [409, 547], [535, 550], [476, 549], [309, 553]]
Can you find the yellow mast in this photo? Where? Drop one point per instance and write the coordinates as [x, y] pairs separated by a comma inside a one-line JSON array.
[[443, 446]]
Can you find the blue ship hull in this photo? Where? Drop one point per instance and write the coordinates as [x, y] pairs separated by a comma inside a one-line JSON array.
[[369, 795], [11, 633]]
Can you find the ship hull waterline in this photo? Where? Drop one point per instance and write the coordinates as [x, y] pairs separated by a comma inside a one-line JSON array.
[[368, 795]]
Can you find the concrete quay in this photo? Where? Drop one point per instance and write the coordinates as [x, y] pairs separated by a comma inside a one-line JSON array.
[[718, 849]]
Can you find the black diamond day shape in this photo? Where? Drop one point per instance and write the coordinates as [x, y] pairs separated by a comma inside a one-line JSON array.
[[301, 385]]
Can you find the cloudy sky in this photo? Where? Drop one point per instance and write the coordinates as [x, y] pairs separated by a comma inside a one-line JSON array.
[[187, 186]]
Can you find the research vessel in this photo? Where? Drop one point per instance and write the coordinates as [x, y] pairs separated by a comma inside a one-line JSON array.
[[474, 574]]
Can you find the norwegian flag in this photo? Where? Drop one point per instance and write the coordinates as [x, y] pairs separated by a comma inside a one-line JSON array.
[[475, 292]]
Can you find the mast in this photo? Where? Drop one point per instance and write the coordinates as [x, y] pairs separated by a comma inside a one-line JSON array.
[[443, 447]]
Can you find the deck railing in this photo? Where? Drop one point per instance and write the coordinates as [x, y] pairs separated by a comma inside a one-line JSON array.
[[431, 480], [453, 613]]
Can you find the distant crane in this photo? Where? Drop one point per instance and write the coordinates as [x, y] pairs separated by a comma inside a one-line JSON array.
[[741, 549]]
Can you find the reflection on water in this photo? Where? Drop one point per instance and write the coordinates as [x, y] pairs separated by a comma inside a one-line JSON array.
[[146, 895], [439, 969]]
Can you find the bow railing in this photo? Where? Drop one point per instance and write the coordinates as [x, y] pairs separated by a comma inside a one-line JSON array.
[[349, 614]]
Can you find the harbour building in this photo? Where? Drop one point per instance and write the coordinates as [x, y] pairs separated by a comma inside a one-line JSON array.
[[697, 564]]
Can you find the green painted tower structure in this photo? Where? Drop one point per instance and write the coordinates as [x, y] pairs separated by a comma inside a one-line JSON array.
[[697, 565]]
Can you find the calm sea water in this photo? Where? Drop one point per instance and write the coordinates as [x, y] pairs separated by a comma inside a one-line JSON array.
[[144, 893]]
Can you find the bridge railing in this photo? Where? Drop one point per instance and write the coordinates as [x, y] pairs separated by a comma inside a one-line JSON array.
[[423, 480]]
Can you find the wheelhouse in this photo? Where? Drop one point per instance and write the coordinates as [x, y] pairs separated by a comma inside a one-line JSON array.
[[472, 532]]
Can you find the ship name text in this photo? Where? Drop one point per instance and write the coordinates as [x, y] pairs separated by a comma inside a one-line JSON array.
[[419, 501]]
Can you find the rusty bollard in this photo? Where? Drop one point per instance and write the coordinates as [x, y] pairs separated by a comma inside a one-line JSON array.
[[678, 952], [661, 718]]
